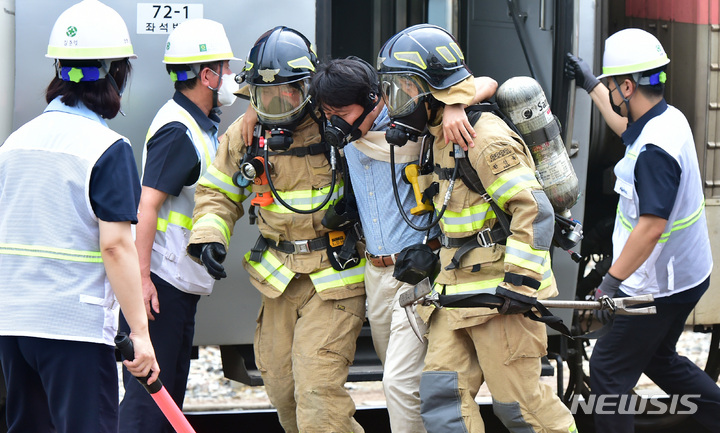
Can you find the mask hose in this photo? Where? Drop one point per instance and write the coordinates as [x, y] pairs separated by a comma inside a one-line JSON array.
[[333, 163], [451, 186]]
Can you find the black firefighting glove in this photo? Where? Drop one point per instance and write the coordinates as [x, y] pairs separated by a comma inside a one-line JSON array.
[[608, 287], [514, 303], [211, 256], [576, 69]]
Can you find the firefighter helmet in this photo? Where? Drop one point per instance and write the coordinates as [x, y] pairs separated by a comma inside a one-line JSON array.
[[427, 51], [278, 70]]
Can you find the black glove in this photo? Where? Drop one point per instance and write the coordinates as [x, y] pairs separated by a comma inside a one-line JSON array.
[[608, 287], [211, 256], [514, 303], [577, 69]]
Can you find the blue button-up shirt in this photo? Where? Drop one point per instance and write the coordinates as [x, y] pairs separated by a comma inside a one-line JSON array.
[[385, 230]]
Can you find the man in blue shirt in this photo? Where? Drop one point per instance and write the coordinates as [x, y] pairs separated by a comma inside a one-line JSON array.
[[348, 89]]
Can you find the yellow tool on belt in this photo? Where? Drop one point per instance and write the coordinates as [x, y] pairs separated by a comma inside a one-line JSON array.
[[410, 175]]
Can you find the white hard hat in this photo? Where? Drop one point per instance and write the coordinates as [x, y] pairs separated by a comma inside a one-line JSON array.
[[90, 30], [632, 50], [198, 41]]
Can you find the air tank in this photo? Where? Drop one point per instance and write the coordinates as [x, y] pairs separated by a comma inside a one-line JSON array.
[[523, 101]]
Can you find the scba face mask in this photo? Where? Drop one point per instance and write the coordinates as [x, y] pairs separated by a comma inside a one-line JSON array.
[[409, 127], [338, 132]]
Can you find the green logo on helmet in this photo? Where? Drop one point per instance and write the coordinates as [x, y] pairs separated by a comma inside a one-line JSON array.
[[203, 48], [167, 47], [71, 31]]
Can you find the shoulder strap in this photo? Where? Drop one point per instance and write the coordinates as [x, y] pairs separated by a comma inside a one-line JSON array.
[[474, 112]]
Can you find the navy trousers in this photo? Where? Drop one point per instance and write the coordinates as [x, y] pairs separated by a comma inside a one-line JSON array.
[[59, 386], [172, 334], [646, 344]]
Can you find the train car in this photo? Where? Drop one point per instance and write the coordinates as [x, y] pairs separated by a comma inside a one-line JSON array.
[[500, 38]]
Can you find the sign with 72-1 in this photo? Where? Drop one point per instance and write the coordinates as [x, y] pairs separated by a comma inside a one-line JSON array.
[[162, 18]]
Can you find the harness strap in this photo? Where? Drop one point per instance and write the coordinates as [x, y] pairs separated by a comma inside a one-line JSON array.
[[313, 149], [256, 252], [521, 280], [348, 251], [482, 239], [543, 135], [488, 300]]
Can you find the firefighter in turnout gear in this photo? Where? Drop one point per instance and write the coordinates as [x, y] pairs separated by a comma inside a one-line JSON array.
[[179, 146], [313, 297], [469, 346]]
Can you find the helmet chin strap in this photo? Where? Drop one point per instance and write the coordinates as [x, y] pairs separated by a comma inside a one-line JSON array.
[[105, 67], [215, 90], [626, 101]]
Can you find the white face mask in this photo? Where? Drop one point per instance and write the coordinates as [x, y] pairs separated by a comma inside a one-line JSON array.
[[227, 89]]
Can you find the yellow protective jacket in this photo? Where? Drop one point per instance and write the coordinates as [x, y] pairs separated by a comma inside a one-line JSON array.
[[507, 171], [303, 182]]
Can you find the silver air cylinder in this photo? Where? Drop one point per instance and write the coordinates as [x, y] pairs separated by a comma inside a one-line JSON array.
[[523, 101]]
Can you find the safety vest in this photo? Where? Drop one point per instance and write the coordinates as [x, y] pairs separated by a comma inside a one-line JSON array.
[[169, 259], [53, 282], [681, 259]]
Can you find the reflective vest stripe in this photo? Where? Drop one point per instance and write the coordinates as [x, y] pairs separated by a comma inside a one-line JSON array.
[[677, 225], [274, 272], [525, 256], [175, 218], [625, 223], [509, 184], [212, 220], [684, 223], [330, 278], [51, 253], [304, 199], [217, 180], [631, 154], [470, 219], [198, 133]]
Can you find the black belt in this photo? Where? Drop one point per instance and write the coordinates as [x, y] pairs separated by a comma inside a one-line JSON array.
[[299, 247]]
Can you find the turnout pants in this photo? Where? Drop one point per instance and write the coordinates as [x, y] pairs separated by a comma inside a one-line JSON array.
[[505, 352], [397, 347], [303, 348]]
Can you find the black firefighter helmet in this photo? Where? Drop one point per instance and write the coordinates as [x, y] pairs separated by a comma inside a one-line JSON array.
[[278, 71], [415, 58]]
